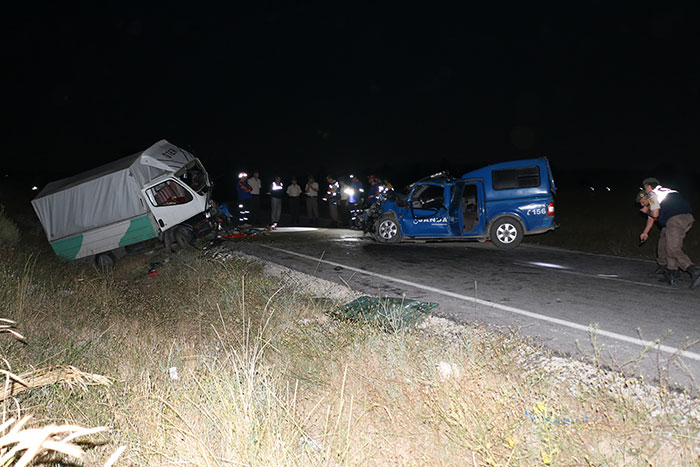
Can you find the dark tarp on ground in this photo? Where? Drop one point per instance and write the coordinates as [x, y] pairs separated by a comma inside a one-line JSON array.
[[391, 314]]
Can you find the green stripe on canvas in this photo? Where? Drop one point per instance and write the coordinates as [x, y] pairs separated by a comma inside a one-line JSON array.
[[68, 248], [140, 229]]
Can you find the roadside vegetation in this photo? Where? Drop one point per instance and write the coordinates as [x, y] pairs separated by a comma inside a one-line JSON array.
[[212, 362]]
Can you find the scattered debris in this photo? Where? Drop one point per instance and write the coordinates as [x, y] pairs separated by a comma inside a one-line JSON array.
[[391, 314], [242, 232], [447, 371], [555, 421], [152, 271]]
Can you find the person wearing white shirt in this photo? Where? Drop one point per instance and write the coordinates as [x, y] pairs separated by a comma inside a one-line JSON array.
[[276, 191], [255, 184], [294, 193], [311, 192]]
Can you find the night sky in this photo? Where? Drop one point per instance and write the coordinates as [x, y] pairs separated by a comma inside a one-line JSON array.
[[298, 87]]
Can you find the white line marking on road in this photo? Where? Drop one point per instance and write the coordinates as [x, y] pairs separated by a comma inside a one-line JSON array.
[[498, 306], [586, 253], [610, 277]]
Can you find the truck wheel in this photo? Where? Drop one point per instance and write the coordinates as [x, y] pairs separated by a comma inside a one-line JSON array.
[[184, 237], [104, 260], [506, 232], [387, 229]]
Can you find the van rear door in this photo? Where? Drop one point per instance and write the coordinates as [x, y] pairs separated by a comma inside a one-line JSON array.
[[552, 186]]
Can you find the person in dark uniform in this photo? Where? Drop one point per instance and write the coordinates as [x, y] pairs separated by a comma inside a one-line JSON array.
[[675, 217], [244, 197]]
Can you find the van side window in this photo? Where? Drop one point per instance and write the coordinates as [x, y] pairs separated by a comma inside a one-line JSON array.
[[428, 197], [169, 193], [521, 177]]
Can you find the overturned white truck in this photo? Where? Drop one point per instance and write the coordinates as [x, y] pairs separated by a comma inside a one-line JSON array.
[[161, 192]]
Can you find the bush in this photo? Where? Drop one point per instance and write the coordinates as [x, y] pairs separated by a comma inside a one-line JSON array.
[[9, 233]]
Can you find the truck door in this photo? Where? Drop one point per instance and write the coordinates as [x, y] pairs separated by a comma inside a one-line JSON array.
[[428, 214], [171, 203]]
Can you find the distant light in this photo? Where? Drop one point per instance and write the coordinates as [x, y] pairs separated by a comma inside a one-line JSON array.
[[591, 188], [242, 174], [349, 191], [608, 188], [276, 186], [34, 188], [352, 176]]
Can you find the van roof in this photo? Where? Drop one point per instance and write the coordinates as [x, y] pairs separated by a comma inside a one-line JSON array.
[[484, 172]]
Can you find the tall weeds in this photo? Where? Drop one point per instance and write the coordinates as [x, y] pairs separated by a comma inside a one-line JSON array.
[[214, 364], [9, 233]]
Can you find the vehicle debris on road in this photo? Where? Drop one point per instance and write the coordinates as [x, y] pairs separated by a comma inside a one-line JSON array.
[[388, 313]]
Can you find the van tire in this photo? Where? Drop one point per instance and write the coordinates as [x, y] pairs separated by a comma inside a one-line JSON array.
[[105, 260], [387, 229], [184, 237], [506, 232]]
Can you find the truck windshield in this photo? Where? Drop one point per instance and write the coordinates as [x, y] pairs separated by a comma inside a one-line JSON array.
[[196, 178]]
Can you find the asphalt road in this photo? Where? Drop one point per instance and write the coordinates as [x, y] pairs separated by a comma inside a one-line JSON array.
[[561, 298]]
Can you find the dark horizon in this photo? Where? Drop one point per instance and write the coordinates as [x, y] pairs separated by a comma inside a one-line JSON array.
[[318, 88]]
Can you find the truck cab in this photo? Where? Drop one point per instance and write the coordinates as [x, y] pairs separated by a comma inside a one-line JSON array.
[[500, 202], [162, 192]]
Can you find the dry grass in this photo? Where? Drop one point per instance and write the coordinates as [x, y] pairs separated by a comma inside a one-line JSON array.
[[214, 364]]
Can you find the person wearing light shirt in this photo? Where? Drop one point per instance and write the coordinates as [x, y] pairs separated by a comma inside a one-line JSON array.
[[276, 191], [294, 193], [311, 192], [255, 186]]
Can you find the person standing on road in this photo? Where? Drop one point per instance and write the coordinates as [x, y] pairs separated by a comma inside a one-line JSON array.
[[675, 217], [294, 193], [344, 203], [255, 185], [311, 192], [332, 196], [243, 190], [276, 191], [374, 188]]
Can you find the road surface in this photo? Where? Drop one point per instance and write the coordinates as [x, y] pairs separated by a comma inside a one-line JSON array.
[[562, 298]]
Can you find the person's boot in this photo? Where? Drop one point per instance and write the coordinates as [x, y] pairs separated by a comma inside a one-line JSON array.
[[671, 276], [660, 269], [694, 276]]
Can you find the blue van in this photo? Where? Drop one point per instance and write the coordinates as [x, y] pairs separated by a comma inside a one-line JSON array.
[[500, 202]]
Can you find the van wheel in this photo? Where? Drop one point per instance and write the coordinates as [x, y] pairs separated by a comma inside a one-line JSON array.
[[104, 261], [184, 237], [506, 232], [387, 229]]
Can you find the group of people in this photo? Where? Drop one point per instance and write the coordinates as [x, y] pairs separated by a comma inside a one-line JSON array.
[[673, 213], [344, 197]]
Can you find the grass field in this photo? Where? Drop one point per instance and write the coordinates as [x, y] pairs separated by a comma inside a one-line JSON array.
[[212, 362]]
